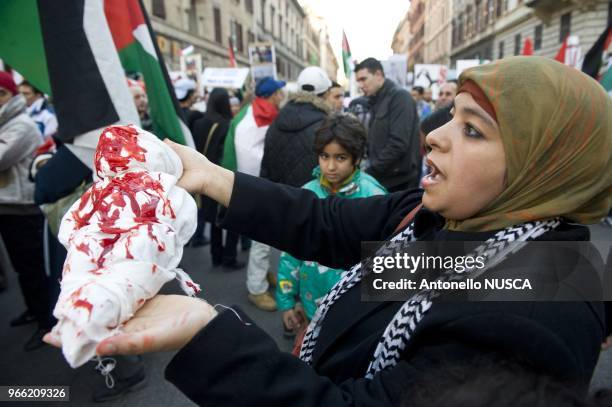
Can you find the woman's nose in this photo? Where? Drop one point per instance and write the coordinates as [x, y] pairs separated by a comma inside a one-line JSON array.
[[438, 139]]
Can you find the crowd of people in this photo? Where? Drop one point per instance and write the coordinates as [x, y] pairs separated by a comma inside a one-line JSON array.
[[301, 174]]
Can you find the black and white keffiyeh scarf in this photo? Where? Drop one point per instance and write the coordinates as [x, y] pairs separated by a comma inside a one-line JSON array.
[[398, 332]]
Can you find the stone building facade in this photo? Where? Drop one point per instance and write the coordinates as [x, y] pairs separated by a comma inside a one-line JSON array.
[[438, 31], [208, 25]]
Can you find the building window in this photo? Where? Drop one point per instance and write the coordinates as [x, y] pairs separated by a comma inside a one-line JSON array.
[[193, 18], [517, 44], [477, 16], [566, 26], [217, 20], [272, 15], [239, 39], [263, 14], [248, 5], [280, 27], [489, 12], [537, 37], [250, 37], [500, 50], [499, 10], [159, 8]]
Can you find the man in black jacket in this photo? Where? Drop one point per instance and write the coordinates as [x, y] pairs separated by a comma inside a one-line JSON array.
[[289, 157], [393, 137]]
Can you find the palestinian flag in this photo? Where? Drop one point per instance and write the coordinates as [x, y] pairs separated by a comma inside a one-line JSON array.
[[232, 56], [597, 60], [138, 51], [346, 55], [68, 49]]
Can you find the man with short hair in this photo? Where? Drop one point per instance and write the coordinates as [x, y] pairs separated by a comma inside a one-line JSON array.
[[39, 109], [393, 137], [335, 97], [423, 109], [447, 94]]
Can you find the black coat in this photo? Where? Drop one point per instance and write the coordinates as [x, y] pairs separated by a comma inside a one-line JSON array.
[[393, 138], [230, 363], [214, 151], [288, 151]]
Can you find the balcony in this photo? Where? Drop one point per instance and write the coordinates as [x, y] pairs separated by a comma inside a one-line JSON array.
[[544, 9]]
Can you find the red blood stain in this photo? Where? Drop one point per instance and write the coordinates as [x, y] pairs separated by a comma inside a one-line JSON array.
[[154, 269], [118, 145], [83, 303], [140, 302], [160, 245], [84, 247], [128, 254], [193, 286]]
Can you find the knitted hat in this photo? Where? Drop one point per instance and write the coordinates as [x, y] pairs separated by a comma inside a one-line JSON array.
[[7, 82]]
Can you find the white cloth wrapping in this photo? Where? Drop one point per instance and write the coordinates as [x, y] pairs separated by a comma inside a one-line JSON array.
[[124, 237]]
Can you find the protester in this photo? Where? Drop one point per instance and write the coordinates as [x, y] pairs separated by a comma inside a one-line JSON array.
[[447, 94], [423, 109], [142, 104], [288, 158], [209, 134], [234, 105], [39, 109], [393, 136], [427, 97], [186, 92], [507, 168], [335, 97], [243, 151], [21, 222], [340, 144]]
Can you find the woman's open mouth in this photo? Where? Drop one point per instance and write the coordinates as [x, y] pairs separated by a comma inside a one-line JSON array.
[[434, 175]]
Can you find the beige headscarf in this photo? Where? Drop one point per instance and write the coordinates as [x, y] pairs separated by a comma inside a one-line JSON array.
[[556, 128]]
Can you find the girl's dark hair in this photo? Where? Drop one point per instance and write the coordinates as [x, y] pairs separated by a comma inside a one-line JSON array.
[[344, 129], [218, 104]]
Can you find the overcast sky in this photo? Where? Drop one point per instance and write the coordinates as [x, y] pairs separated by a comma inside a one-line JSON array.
[[369, 24]]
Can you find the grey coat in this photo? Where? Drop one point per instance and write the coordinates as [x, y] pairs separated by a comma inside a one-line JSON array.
[[19, 139]]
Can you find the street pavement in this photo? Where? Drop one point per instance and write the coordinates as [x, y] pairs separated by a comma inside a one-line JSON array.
[[46, 366]]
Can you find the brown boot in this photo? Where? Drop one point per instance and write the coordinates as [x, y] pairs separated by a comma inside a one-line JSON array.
[[263, 301]]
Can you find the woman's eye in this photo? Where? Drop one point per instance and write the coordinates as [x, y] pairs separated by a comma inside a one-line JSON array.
[[472, 132]]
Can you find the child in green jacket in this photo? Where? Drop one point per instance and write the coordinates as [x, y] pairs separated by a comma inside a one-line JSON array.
[[339, 144]]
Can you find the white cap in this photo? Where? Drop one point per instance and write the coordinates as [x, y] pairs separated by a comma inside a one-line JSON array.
[[182, 86], [313, 79]]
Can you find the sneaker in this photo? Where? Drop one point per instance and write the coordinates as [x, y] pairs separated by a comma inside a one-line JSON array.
[[25, 318], [121, 385], [263, 301], [233, 265], [35, 340]]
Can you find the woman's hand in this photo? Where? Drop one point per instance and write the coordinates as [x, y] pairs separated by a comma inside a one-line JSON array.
[[194, 167], [164, 323], [200, 176]]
